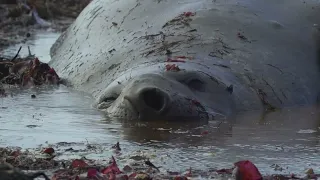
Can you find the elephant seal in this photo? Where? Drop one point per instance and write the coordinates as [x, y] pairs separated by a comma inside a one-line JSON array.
[[191, 60]]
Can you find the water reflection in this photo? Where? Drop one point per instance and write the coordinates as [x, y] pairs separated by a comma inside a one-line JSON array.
[[56, 114], [287, 126], [177, 133], [289, 138], [40, 45], [281, 126]]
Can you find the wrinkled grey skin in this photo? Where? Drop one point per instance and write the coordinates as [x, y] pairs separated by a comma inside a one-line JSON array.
[[116, 50]]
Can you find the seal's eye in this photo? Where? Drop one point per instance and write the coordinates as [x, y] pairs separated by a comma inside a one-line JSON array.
[[110, 98], [107, 102], [196, 84]]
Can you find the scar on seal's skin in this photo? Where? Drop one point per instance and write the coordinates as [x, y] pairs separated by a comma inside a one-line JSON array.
[[230, 89], [276, 68]]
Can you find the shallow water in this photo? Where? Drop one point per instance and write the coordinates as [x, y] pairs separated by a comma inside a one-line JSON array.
[[39, 44], [289, 138]]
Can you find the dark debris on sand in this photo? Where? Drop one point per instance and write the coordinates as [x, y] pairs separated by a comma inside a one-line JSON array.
[[14, 160], [21, 18], [26, 72]]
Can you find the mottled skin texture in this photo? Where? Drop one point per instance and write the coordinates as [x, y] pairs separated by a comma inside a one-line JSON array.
[[116, 50]]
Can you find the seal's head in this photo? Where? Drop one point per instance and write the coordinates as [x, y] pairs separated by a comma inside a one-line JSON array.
[[173, 91]]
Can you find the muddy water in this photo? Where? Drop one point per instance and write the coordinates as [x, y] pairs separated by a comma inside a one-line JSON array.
[[289, 138], [39, 44]]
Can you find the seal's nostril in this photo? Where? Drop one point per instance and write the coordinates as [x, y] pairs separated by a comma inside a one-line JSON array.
[[154, 99]]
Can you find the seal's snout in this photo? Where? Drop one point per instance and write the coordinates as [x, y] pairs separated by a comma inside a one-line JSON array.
[[149, 101], [154, 98]]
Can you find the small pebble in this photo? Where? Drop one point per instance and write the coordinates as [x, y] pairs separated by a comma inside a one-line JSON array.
[[127, 168], [309, 171]]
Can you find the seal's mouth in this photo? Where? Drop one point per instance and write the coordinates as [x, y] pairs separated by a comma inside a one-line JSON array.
[[199, 113], [202, 112], [131, 105]]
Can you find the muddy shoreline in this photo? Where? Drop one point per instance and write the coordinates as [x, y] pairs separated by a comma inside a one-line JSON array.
[[46, 159], [20, 20]]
